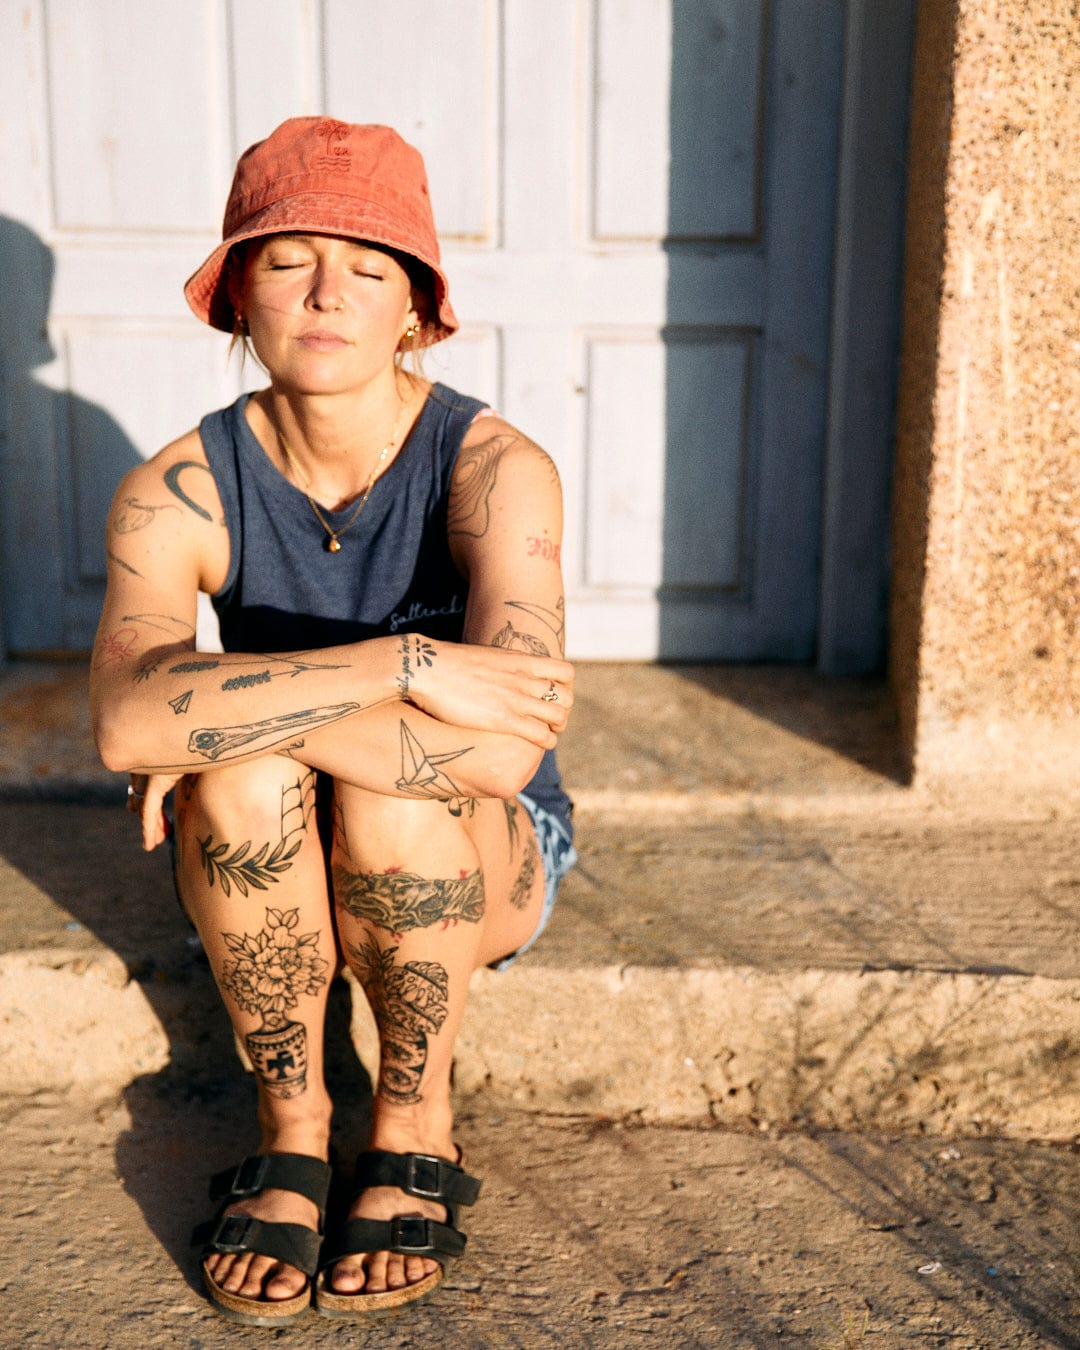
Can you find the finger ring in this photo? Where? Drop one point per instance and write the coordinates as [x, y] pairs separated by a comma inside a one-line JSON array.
[[552, 695], [133, 793]]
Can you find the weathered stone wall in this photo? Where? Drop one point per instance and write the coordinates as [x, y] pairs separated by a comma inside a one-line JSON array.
[[985, 633]]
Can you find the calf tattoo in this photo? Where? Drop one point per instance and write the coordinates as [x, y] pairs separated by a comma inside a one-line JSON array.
[[400, 901], [409, 1002], [266, 975]]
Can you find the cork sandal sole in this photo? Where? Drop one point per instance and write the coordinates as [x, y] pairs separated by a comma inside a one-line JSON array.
[[360, 1306], [256, 1312]]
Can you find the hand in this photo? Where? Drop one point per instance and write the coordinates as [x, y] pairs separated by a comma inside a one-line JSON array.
[[146, 799], [488, 688]]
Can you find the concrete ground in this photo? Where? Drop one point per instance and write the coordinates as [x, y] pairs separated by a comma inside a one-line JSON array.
[[796, 1062]]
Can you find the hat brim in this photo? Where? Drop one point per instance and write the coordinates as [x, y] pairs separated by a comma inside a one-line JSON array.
[[206, 290]]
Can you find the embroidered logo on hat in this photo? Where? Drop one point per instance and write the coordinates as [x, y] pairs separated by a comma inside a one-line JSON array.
[[337, 153]]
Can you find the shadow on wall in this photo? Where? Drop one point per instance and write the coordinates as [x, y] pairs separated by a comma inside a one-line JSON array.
[[924, 268], [61, 457]]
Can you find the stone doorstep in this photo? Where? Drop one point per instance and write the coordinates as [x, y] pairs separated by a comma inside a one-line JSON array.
[[887, 1051]]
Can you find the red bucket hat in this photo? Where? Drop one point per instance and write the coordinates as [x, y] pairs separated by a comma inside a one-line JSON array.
[[318, 175]]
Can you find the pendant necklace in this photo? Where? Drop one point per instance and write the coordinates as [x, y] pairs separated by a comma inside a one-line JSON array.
[[333, 537]]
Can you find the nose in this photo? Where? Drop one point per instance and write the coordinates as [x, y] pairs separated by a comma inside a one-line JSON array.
[[327, 291]]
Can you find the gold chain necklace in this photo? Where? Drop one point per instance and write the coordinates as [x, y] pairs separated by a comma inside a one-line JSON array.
[[333, 539]]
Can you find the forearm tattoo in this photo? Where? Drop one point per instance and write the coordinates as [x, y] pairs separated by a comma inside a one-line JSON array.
[[223, 743], [553, 619], [410, 1003], [267, 974], [402, 901], [516, 639], [422, 775], [415, 652]]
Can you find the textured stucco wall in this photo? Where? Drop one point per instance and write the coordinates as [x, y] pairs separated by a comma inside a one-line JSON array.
[[985, 633]]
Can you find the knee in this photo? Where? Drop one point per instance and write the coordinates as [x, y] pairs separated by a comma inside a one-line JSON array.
[[375, 823], [253, 794]]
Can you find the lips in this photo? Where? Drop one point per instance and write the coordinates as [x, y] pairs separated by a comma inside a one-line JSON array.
[[321, 340]]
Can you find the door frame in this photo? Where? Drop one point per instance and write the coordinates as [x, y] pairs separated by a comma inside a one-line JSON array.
[[864, 357]]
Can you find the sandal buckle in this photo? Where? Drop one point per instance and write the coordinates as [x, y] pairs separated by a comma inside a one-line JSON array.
[[231, 1233], [411, 1235], [423, 1176], [250, 1176]]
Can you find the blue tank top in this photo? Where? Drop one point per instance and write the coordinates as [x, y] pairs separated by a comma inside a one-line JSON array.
[[394, 574]]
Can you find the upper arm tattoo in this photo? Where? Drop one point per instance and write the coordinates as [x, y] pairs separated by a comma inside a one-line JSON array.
[[474, 480], [168, 623], [121, 563], [131, 515], [172, 482]]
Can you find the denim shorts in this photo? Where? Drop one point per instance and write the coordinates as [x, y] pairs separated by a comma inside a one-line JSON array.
[[558, 855]]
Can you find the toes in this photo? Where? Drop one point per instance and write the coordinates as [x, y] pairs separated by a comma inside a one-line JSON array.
[[348, 1276], [285, 1282], [254, 1276], [379, 1272]]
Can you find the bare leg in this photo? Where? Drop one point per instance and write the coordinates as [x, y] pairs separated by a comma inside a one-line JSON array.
[[424, 897], [252, 876]]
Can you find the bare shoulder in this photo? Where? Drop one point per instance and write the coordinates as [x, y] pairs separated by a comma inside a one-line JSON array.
[[493, 446], [177, 478], [501, 478]]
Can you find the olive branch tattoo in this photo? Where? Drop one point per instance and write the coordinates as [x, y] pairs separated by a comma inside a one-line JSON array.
[[242, 868]]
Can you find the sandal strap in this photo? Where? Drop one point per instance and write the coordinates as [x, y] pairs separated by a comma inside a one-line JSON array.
[[234, 1233], [418, 1174], [306, 1176], [408, 1235]]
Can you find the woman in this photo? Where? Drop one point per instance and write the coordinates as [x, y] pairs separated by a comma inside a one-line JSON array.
[[383, 555]]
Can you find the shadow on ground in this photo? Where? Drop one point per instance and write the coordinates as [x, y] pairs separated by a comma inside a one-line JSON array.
[[100, 885]]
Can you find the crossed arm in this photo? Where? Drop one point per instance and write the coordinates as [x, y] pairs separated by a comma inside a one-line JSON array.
[[401, 715]]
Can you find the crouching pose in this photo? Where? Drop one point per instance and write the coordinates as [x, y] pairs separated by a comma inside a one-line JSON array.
[[365, 773]]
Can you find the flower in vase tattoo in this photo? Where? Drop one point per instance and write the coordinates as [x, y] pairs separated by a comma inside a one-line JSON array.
[[266, 975]]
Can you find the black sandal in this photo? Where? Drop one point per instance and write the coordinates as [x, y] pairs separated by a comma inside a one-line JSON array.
[[233, 1234], [419, 1175]]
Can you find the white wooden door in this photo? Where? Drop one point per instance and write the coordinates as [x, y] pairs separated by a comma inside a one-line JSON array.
[[635, 199]]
